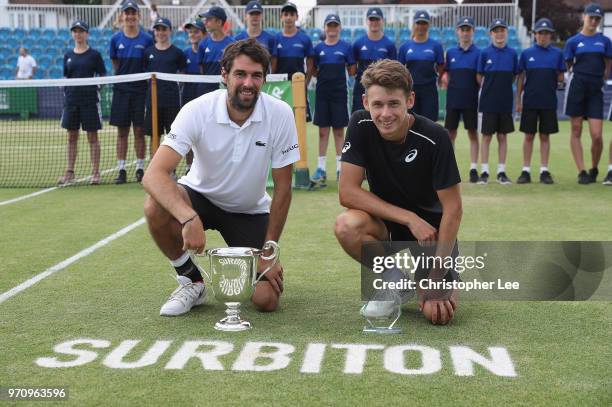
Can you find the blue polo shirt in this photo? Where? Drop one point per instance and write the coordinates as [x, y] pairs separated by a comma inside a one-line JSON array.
[[498, 66], [331, 62], [171, 60], [541, 66], [462, 65], [209, 56], [265, 38], [84, 65], [129, 52], [588, 53], [421, 58], [291, 51], [192, 64], [367, 51]]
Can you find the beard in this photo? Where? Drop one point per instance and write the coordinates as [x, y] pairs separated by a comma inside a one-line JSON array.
[[237, 103]]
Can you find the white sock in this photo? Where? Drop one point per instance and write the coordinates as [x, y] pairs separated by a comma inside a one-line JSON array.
[[484, 167], [338, 163], [542, 169], [473, 166], [181, 260], [188, 167], [610, 167], [139, 164], [322, 162], [501, 168], [121, 164], [527, 169]]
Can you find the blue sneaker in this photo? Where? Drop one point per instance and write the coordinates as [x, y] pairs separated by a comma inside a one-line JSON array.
[[319, 177]]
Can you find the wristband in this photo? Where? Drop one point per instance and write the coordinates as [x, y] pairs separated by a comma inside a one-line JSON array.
[[188, 220]]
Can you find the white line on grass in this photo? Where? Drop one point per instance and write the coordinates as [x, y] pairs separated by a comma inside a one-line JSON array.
[[44, 191], [63, 264]]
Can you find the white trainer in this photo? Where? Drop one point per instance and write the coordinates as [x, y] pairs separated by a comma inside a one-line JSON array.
[[378, 309], [187, 295]]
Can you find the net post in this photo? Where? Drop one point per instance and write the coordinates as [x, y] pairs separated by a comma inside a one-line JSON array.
[[154, 129], [302, 177]]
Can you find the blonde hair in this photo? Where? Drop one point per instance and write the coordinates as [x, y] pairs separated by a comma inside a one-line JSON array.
[[388, 74]]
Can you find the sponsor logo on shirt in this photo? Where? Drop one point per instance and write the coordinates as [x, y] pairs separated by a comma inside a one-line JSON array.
[[411, 155], [188, 60], [298, 45], [339, 53], [171, 136], [580, 45], [531, 59], [121, 46], [151, 56], [279, 46], [429, 50], [346, 147], [69, 60], [601, 44], [489, 61], [139, 46], [260, 143], [364, 48], [207, 50], [293, 147], [383, 50], [452, 59], [410, 51], [322, 53]]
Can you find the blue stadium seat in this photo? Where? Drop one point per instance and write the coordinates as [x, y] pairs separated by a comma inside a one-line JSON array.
[[4, 33], [448, 30], [18, 33], [12, 60], [34, 34], [482, 42], [58, 60], [107, 32], [48, 33], [63, 32], [58, 43], [390, 32], [7, 72], [94, 32], [13, 43], [36, 51], [40, 74], [449, 43], [359, 32], [55, 72], [512, 30], [434, 31], [434, 36], [44, 61], [315, 34]]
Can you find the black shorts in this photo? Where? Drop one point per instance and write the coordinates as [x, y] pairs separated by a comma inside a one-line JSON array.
[[358, 91], [190, 91], [87, 117], [401, 233], [497, 123], [547, 118], [426, 101], [237, 229], [331, 111], [128, 108], [584, 97], [470, 119], [165, 117]]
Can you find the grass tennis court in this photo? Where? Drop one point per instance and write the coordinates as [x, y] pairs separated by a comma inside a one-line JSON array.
[[560, 351]]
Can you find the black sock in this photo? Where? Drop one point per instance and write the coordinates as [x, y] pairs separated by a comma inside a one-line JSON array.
[[190, 271]]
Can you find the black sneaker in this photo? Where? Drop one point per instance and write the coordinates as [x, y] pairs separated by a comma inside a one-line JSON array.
[[139, 175], [483, 179], [546, 178], [473, 176], [583, 178], [121, 178], [524, 178], [608, 180], [503, 179], [593, 173]]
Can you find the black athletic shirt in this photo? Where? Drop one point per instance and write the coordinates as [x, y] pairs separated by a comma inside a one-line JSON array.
[[404, 174], [84, 65]]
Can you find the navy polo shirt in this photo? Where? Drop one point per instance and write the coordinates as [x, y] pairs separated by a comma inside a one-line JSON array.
[[588, 53], [421, 58], [291, 51], [265, 38], [83, 65], [498, 66], [542, 66], [209, 56], [331, 62], [462, 65], [192, 64], [129, 52], [367, 51], [171, 60]]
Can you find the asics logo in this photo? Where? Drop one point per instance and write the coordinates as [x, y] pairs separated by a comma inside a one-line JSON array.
[[347, 147], [411, 155]]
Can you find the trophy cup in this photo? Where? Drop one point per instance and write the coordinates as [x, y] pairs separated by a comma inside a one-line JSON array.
[[233, 272], [381, 312]]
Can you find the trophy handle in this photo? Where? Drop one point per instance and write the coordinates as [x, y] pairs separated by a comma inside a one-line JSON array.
[[274, 256], [206, 253]]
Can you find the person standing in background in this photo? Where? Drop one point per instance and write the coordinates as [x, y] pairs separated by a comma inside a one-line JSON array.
[[254, 20], [26, 65]]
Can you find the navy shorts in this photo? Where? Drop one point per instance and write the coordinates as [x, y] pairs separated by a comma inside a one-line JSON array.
[[165, 117], [331, 111], [546, 118], [128, 108], [426, 101], [470, 119], [584, 97], [87, 117], [190, 91], [358, 91]]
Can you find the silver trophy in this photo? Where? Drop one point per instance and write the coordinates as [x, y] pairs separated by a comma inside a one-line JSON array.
[[233, 272]]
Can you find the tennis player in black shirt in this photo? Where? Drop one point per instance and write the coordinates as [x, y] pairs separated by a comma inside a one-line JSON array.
[[413, 179]]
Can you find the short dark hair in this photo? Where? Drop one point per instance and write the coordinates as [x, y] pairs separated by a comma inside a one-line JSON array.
[[389, 74], [249, 47]]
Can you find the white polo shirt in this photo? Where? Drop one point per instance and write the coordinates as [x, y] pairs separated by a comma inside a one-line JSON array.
[[231, 163], [25, 67]]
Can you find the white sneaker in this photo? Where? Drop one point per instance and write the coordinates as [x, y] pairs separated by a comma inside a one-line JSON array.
[[187, 295], [378, 309]]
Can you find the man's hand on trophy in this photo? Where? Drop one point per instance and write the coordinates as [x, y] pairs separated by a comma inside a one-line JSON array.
[[193, 235], [274, 276]]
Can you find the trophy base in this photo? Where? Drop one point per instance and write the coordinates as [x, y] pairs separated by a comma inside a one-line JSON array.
[[233, 326], [382, 330]]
